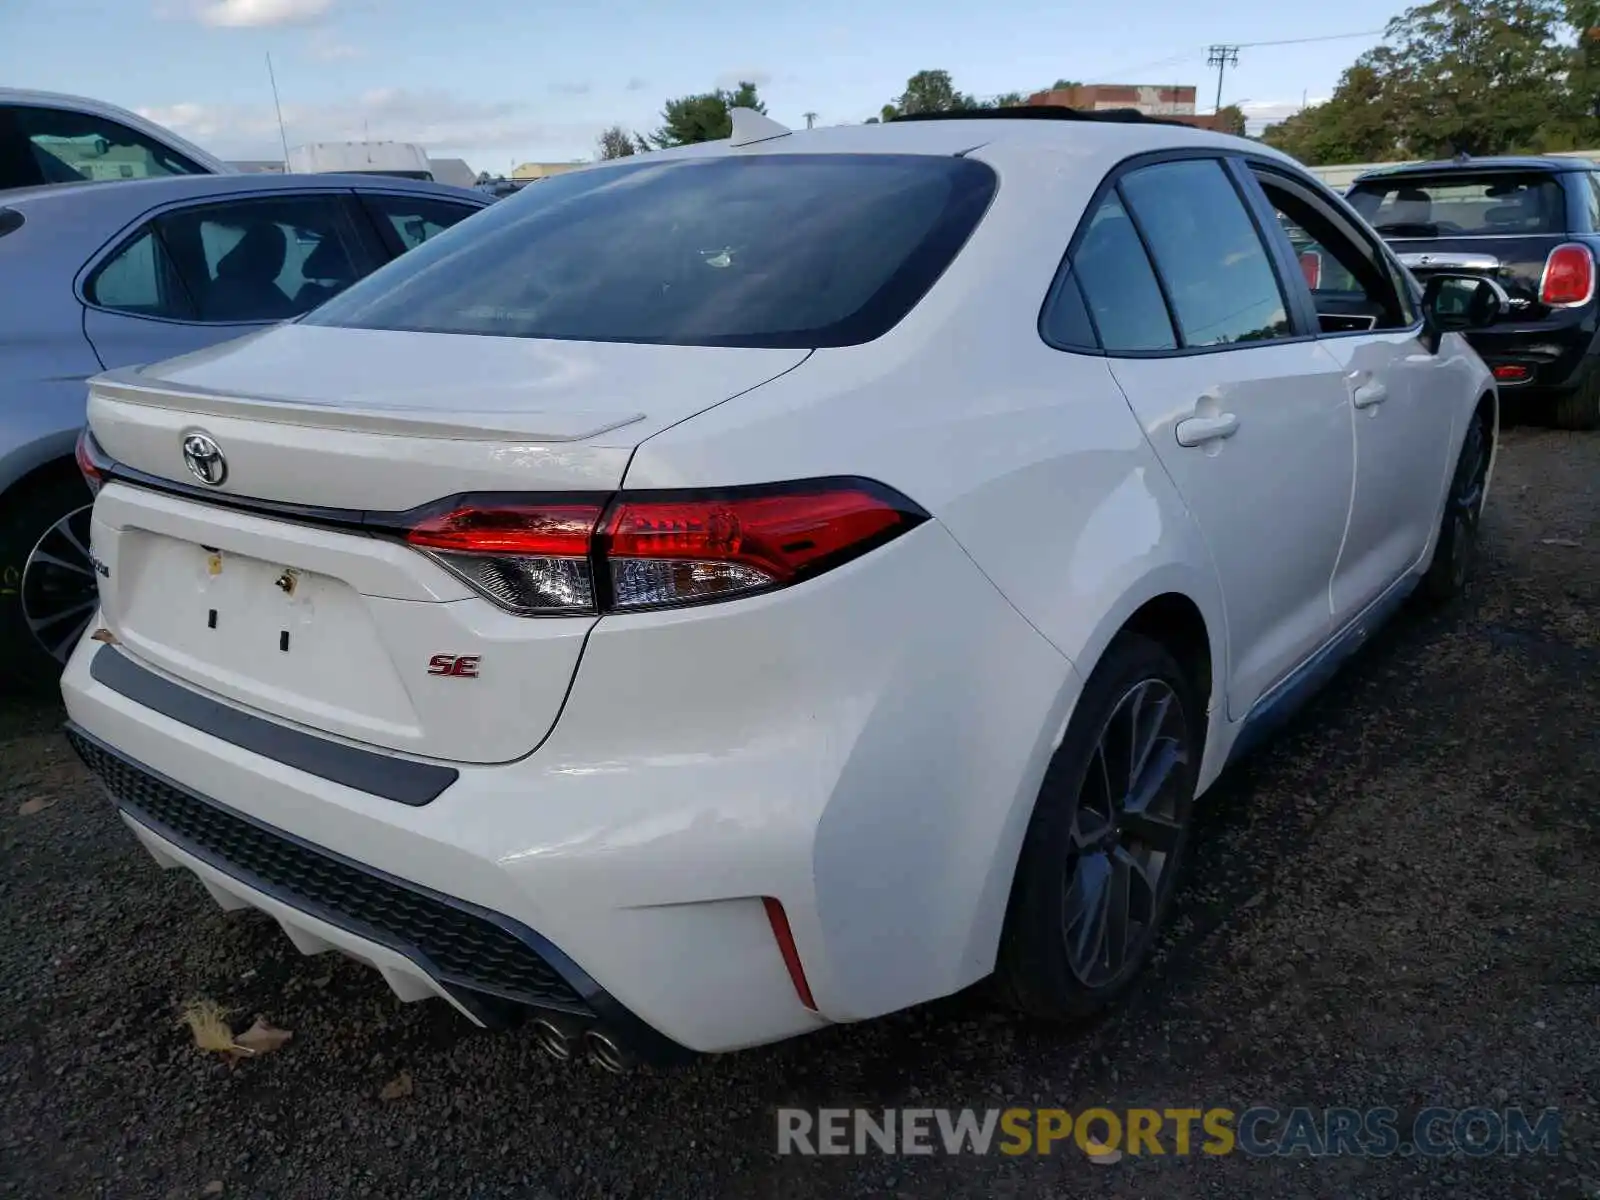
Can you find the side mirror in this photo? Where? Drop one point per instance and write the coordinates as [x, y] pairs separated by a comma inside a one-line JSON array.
[[1455, 303]]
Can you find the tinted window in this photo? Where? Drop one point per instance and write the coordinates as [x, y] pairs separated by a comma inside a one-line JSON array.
[[1218, 273], [139, 279], [414, 219], [263, 260], [69, 147], [769, 250], [1498, 202], [1119, 285]]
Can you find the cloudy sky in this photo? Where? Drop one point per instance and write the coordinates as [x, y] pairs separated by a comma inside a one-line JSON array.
[[503, 81]]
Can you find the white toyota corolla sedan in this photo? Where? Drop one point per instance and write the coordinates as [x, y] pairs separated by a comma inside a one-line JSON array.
[[734, 590]]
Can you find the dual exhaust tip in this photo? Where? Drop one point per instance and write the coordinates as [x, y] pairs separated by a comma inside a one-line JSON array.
[[564, 1045]]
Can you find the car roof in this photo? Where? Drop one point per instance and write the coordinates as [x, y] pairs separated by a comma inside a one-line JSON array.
[[101, 108], [1097, 140], [138, 194], [1501, 162]]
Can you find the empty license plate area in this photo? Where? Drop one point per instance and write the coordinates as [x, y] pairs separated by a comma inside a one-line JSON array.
[[269, 633]]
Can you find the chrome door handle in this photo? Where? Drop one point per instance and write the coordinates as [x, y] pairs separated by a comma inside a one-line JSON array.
[[1369, 394], [1197, 431]]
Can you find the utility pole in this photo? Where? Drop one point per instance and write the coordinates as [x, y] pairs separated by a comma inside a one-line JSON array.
[[1222, 57], [811, 119]]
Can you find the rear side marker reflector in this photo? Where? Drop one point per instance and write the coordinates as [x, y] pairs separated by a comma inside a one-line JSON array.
[[784, 936], [645, 550]]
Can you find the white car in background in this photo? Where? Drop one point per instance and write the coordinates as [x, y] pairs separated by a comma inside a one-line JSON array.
[[775, 582], [48, 137]]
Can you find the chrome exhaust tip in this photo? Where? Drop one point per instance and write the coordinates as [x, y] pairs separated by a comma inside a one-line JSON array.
[[605, 1053], [553, 1040]]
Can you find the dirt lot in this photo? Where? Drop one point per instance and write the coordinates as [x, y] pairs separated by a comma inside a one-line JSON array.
[[1397, 904]]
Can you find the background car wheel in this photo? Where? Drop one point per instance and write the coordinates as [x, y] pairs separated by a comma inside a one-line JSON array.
[[1580, 409], [1101, 856], [47, 581], [1457, 551]]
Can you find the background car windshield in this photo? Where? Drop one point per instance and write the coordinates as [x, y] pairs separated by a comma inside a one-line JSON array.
[[769, 250], [1446, 207]]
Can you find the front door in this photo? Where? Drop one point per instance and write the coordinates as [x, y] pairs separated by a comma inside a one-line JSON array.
[[1371, 326]]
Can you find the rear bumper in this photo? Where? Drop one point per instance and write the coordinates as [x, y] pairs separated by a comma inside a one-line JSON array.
[[1555, 353], [831, 746]]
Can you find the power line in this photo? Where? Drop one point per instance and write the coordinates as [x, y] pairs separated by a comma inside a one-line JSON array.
[[1194, 51]]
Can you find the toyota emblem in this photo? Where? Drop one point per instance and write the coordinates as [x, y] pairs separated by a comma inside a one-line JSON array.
[[203, 457]]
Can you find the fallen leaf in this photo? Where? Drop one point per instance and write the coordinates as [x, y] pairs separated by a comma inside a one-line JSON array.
[[104, 635], [398, 1087], [1570, 543], [37, 805], [214, 1188], [260, 1038], [208, 1021]]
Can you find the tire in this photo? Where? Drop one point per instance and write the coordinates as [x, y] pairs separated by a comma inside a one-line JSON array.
[[1456, 551], [1041, 968], [46, 579], [1579, 409]]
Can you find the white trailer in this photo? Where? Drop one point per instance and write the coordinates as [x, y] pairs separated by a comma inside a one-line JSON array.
[[405, 159]]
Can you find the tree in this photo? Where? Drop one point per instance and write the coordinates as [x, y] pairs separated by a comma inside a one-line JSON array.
[[617, 142], [1230, 119], [1065, 83], [704, 117], [927, 92], [1008, 100], [1479, 76]]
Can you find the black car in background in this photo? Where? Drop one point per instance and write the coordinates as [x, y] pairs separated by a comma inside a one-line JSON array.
[[1533, 226]]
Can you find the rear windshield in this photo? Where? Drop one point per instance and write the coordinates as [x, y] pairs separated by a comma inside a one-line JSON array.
[[765, 250], [1462, 204]]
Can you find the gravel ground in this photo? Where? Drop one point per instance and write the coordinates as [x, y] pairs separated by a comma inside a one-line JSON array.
[[1394, 905]]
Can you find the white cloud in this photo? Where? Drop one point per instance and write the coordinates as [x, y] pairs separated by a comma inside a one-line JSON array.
[[635, 84], [240, 14], [444, 123]]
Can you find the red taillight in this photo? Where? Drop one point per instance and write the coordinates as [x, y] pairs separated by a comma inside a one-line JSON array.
[[1311, 268], [530, 558], [1568, 278], [91, 463], [1510, 372], [657, 549], [680, 550]]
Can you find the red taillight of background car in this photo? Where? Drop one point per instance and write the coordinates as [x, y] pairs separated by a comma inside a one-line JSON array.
[[92, 464], [1311, 268], [1568, 278], [657, 549]]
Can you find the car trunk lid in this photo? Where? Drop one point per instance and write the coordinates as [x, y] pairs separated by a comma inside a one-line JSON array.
[[278, 588]]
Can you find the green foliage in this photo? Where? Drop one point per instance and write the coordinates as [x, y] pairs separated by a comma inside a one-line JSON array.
[[1231, 120], [703, 118], [1479, 76], [617, 142]]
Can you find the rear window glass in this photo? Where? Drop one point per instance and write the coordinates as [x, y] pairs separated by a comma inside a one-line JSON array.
[[765, 250], [1462, 204]]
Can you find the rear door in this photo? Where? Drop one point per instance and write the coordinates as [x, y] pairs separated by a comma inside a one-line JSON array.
[[1369, 322], [203, 273], [1248, 415]]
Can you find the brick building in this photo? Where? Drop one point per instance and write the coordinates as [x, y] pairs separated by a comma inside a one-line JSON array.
[[1173, 103]]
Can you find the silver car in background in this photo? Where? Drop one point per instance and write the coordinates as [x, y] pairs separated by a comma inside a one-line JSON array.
[[93, 278]]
